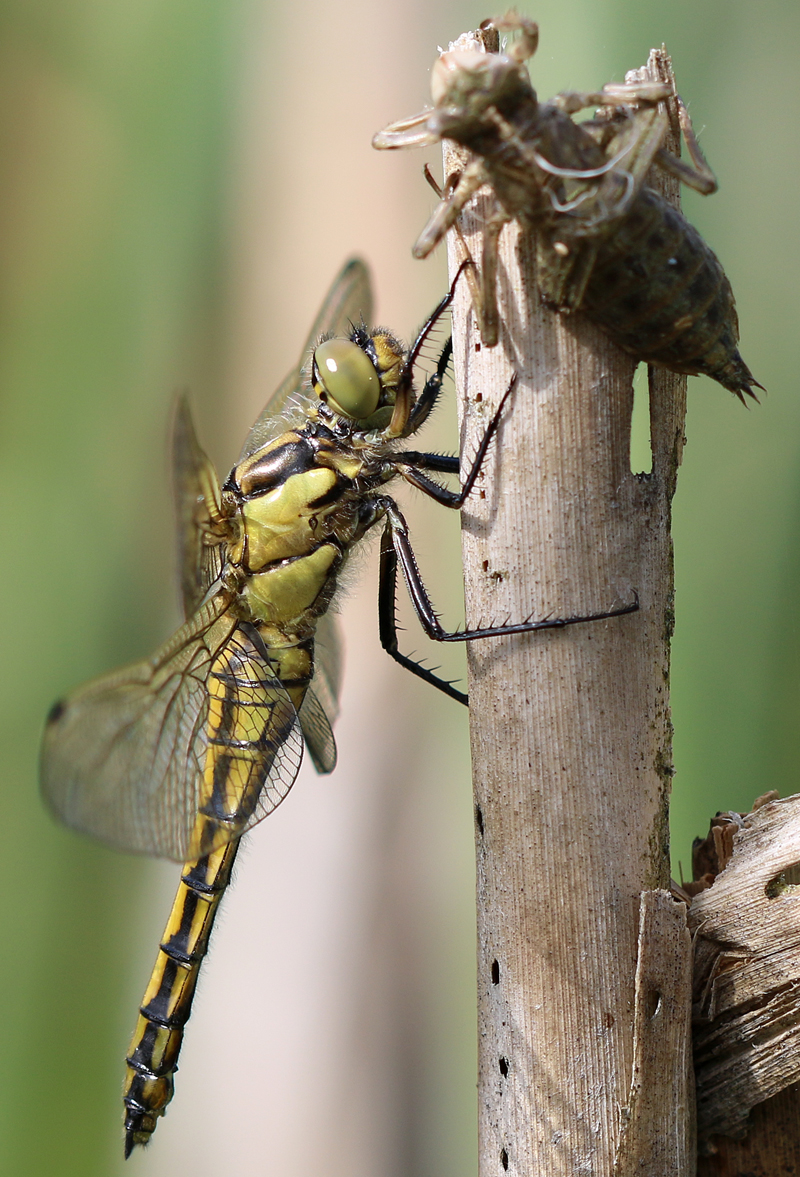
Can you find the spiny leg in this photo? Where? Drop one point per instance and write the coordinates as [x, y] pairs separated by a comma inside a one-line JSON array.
[[411, 465], [407, 415], [396, 546], [433, 387], [387, 621]]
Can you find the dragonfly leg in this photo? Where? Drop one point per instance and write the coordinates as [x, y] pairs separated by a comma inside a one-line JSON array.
[[411, 464], [473, 281], [407, 415], [396, 547], [432, 389], [486, 309], [449, 210], [387, 619], [698, 175]]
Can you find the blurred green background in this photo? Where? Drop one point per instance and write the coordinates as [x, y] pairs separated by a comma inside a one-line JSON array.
[[181, 182]]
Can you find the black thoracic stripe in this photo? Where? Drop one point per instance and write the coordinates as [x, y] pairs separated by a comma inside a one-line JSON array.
[[277, 467], [334, 494]]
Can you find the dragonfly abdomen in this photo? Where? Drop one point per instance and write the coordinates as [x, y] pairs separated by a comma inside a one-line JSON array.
[[247, 726], [156, 1043]]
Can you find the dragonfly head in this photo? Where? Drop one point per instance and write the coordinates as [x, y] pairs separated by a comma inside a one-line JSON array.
[[357, 377]]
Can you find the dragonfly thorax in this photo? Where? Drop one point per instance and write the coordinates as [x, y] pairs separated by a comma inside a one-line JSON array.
[[299, 509]]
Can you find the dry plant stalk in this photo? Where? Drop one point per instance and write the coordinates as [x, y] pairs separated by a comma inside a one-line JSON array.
[[747, 993], [583, 1052]]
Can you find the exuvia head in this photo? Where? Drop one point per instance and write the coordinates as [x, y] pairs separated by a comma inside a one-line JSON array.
[[466, 80]]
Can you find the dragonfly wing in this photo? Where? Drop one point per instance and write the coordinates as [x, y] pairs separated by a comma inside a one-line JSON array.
[[328, 664], [131, 757], [255, 743], [317, 732], [349, 300], [321, 705], [197, 502]]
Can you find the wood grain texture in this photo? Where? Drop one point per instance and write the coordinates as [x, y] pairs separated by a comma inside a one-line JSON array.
[[771, 1147], [657, 1132], [747, 973]]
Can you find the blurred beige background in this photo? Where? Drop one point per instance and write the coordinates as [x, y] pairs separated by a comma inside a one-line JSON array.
[[182, 182]]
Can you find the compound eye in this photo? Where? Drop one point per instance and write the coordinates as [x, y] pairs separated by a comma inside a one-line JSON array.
[[347, 379]]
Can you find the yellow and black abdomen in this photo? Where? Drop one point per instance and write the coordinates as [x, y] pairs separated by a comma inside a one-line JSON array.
[[156, 1043], [252, 750], [295, 515]]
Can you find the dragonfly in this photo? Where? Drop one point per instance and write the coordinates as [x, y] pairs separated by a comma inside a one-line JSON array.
[[180, 754]]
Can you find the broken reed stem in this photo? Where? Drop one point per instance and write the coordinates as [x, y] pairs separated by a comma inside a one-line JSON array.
[[747, 993], [571, 745]]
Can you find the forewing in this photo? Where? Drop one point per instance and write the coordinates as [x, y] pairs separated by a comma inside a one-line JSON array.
[[197, 500], [126, 757], [349, 300]]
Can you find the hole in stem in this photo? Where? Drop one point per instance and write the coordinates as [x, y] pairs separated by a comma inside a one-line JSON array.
[[504, 1067], [479, 819], [786, 883], [653, 1003], [504, 1158], [495, 973], [641, 451]]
